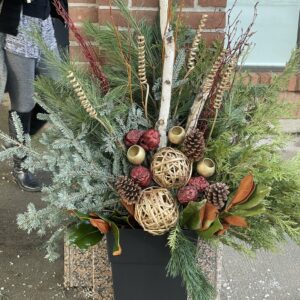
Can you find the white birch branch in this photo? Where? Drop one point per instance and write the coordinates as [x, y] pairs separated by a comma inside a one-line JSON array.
[[167, 77], [203, 95]]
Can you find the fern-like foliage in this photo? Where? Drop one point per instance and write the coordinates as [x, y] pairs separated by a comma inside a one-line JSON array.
[[183, 252]]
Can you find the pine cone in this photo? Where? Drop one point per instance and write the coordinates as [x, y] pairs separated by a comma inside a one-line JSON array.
[[128, 190], [194, 145], [217, 194]]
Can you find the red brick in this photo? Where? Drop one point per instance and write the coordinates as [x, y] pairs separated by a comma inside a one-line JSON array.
[[108, 2], [145, 3], [83, 1], [254, 78], [211, 37], [214, 3], [83, 13], [214, 20], [265, 77], [105, 15], [293, 83], [155, 3]]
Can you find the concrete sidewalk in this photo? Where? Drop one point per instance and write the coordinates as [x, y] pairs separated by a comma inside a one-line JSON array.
[[26, 274]]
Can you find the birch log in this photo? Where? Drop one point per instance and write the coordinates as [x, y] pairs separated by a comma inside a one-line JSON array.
[[167, 77], [203, 95]]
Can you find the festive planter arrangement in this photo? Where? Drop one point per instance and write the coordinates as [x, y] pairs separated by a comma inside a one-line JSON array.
[[163, 144]]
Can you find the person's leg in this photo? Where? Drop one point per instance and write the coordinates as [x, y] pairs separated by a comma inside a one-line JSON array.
[[20, 86], [42, 69]]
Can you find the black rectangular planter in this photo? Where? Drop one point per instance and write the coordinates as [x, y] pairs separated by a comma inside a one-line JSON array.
[[139, 273]]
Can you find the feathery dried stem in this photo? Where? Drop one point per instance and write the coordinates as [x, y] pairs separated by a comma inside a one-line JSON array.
[[142, 72]]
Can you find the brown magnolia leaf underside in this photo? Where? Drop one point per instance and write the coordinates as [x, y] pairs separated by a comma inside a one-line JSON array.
[[101, 225], [236, 221], [245, 190], [210, 215], [129, 207], [225, 228]]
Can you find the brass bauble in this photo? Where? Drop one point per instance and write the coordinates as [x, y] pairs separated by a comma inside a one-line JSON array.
[[136, 155], [206, 167], [176, 135]]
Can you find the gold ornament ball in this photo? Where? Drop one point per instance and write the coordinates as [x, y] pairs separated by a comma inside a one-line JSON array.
[[156, 211], [206, 167], [171, 168], [136, 155], [176, 135]]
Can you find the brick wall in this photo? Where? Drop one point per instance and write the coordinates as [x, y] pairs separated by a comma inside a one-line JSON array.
[[98, 11]]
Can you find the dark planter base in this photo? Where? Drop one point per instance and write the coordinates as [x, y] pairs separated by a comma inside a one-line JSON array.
[[140, 272]]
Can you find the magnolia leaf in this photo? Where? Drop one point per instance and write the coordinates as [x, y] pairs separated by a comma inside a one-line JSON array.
[[210, 215], [103, 226], [208, 233], [122, 220], [191, 217], [117, 250], [84, 235], [254, 211], [257, 197], [245, 190], [129, 208], [79, 215], [225, 228], [236, 221]]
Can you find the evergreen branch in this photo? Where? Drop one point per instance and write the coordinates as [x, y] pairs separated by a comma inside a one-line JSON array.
[[183, 253]]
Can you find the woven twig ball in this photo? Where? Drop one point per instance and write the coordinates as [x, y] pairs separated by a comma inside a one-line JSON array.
[[156, 211], [171, 168]]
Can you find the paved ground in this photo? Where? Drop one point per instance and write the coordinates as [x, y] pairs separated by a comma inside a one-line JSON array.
[[25, 274]]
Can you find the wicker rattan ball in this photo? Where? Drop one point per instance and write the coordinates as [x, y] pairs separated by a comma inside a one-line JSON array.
[[171, 168], [156, 211]]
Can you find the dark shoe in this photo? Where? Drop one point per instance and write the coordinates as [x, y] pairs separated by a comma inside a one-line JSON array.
[[36, 124], [25, 179]]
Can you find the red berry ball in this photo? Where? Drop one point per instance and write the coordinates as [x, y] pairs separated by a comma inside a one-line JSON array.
[[199, 182], [141, 176], [187, 194], [150, 140], [132, 137]]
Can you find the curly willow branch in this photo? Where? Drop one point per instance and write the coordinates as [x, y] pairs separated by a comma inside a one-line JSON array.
[[85, 103], [142, 70], [195, 44]]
